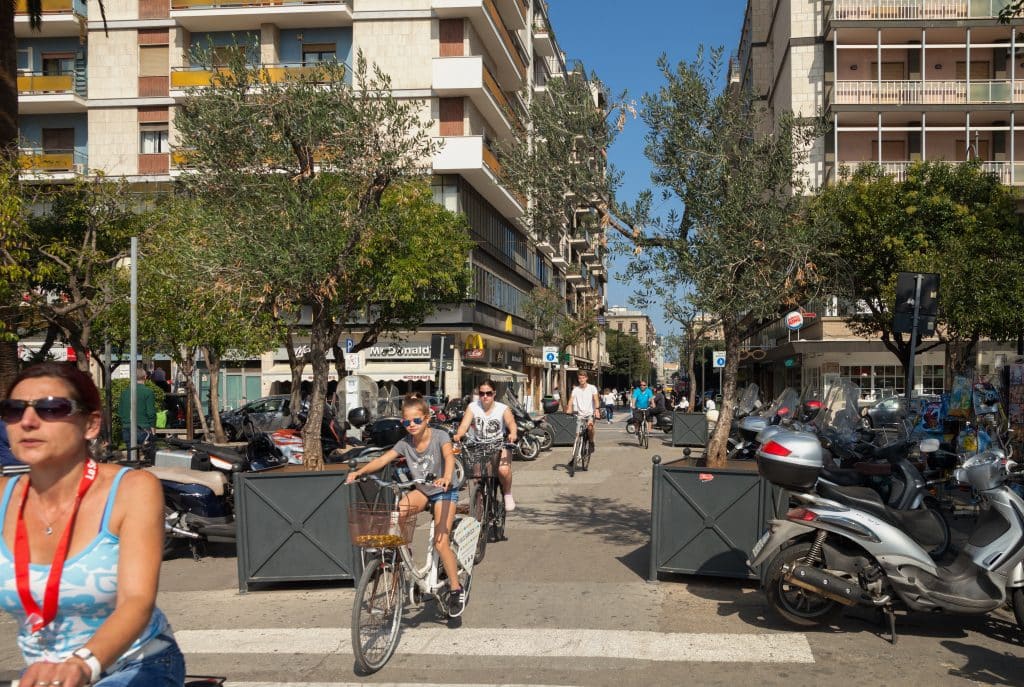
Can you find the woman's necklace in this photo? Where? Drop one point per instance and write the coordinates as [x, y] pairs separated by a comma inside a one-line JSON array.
[[49, 525]]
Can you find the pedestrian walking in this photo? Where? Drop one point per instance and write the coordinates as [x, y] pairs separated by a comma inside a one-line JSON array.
[[146, 410], [608, 400]]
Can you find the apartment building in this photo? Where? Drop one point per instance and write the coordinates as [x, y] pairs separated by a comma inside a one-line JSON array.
[[101, 97], [901, 81]]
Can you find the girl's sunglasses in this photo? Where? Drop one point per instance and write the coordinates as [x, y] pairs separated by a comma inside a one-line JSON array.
[[48, 409], [414, 421], [486, 393]]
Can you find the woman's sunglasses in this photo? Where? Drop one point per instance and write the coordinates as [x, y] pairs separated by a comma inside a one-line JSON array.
[[48, 409], [414, 421], [486, 393]]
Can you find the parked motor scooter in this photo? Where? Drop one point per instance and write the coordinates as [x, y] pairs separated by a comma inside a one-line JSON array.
[[843, 547], [196, 477], [528, 435]]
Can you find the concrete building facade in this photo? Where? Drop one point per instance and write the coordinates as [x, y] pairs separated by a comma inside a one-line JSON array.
[[900, 81], [101, 97]]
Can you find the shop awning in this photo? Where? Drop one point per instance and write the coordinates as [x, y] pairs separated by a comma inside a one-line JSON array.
[[496, 374]]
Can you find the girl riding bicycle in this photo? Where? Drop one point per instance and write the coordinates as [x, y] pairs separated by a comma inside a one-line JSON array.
[[427, 452]]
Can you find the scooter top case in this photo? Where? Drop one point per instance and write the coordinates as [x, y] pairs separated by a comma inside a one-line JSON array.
[[750, 425]]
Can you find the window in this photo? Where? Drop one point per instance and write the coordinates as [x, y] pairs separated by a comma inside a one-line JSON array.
[[634, 328], [931, 379], [222, 55], [153, 60], [24, 59], [618, 325], [56, 64], [153, 139], [58, 140], [315, 53], [446, 192], [497, 292]]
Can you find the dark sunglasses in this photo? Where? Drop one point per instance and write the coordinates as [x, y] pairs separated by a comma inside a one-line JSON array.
[[414, 421], [48, 409], [486, 393]]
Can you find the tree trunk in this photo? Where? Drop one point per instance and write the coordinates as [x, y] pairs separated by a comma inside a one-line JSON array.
[[213, 362], [188, 368], [691, 364], [563, 397], [319, 343], [959, 358], [9, 366], [718, 446], [296, 364], [8, 83]]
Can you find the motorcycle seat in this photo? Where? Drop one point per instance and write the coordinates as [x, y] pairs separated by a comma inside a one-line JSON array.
[[919, 524], [844, 477], [213, 480]]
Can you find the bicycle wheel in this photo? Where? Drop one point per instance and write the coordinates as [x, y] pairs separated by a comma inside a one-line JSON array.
[[646, 435], [478, 510], [576, 448], [377, 614], [585, 456], [498, 512]]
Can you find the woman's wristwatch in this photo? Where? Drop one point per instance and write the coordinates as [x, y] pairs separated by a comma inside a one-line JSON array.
[[90, 660]]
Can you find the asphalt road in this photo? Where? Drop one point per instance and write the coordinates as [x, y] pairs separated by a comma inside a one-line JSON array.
[[565, 601]]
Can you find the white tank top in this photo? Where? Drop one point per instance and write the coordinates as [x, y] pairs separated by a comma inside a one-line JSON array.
[[488, 426]]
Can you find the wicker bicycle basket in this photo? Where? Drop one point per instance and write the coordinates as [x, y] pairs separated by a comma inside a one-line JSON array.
[[380, 525], [477, 456]]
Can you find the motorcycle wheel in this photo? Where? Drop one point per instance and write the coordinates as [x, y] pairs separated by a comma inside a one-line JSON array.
[[528, 447], [795, 604], [547, 439], [1018, 606]]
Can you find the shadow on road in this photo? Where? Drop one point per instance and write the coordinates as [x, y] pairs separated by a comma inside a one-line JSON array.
[[986, 666], [607, 518]]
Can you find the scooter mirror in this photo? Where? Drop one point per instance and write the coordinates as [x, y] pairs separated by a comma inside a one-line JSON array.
[[353, 463], [929, 445]]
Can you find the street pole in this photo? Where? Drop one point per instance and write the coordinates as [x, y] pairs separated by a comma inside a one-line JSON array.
[[918, 278], [440, 369], [134, 346]]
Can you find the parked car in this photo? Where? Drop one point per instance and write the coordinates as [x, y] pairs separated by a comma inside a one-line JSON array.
[[889, 411], [262, 415]]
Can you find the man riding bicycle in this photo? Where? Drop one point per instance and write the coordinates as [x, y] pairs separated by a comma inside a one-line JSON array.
[[641, 401], [586, 404]]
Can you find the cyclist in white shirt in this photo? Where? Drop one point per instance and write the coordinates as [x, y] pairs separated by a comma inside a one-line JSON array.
[[490, 420], [585, 403]]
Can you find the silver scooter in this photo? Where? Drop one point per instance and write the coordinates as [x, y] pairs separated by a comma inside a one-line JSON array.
[[842, 546]]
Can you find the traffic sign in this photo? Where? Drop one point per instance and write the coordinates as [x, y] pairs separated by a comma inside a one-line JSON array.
[[353, 361], [718, 359], [349, 343], [550, 354]]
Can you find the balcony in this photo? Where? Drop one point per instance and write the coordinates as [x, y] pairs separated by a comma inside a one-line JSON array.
[[514, 12], [238, 15], [51, 164], [915, 10], [574, 276], [471, 157], [1008, 173], [184, 78], [60, 18], [546, 247], [928, 92], [510, 65], [543, 36], [470, 77], [51, 93]]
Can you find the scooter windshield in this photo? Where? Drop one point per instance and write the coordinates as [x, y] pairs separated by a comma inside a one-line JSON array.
[[840, 420], [784, 405], [747, 400], [514, 403]]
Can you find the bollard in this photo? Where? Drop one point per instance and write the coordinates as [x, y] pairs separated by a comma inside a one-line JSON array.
[[652, 572]]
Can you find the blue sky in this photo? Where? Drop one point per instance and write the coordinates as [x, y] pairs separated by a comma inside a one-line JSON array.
[[622, 43]]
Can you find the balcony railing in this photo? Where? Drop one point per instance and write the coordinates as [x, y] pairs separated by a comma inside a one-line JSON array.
[[506, 38], [190, 77], [499, 96], [928, 92], [34, 83], [916, 9], [53, 6], [38, 160], [1007, 172], [217, 4]]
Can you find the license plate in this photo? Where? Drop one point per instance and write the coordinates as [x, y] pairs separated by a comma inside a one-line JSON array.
[[755, 552]]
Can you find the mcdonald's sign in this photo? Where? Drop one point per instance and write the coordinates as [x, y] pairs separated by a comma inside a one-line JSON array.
[[473, 347]]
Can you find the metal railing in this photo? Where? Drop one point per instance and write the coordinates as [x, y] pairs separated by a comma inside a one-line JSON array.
[[506, 37], [928, 92], [216, 4], [52, 6], [1007, 172], [190, 77], [916, 9], [38, 83], [39, 160], [491, 84]]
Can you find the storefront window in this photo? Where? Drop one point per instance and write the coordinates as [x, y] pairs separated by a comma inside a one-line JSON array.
[[932, 378]]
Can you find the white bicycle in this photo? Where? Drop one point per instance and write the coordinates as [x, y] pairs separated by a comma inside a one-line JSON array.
[[390, 576]]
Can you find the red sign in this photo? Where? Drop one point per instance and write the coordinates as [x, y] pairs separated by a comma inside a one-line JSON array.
[[794, 320], [473, 353], [705, 477]]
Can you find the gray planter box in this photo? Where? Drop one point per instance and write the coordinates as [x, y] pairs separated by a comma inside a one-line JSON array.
[[704, 521], [564, 427], [293, 526], [689, 429]]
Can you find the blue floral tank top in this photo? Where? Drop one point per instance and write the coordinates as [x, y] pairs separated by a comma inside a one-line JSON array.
[[88, 595]]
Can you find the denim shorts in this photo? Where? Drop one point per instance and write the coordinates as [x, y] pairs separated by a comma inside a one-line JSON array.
[[450, 495], [164, 669]]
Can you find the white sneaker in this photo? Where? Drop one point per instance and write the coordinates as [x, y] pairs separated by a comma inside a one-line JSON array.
[[510, 503]]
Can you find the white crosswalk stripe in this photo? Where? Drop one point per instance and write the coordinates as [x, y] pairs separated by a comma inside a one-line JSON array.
[[539, 643]]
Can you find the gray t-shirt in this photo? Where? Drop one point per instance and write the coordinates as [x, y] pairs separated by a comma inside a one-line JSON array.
[[430, 462]]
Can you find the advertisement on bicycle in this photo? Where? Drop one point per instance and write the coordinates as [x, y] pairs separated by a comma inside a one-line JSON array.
[[465, 536]]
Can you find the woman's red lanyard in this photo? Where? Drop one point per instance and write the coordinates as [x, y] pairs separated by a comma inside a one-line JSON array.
[[39, 618]]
